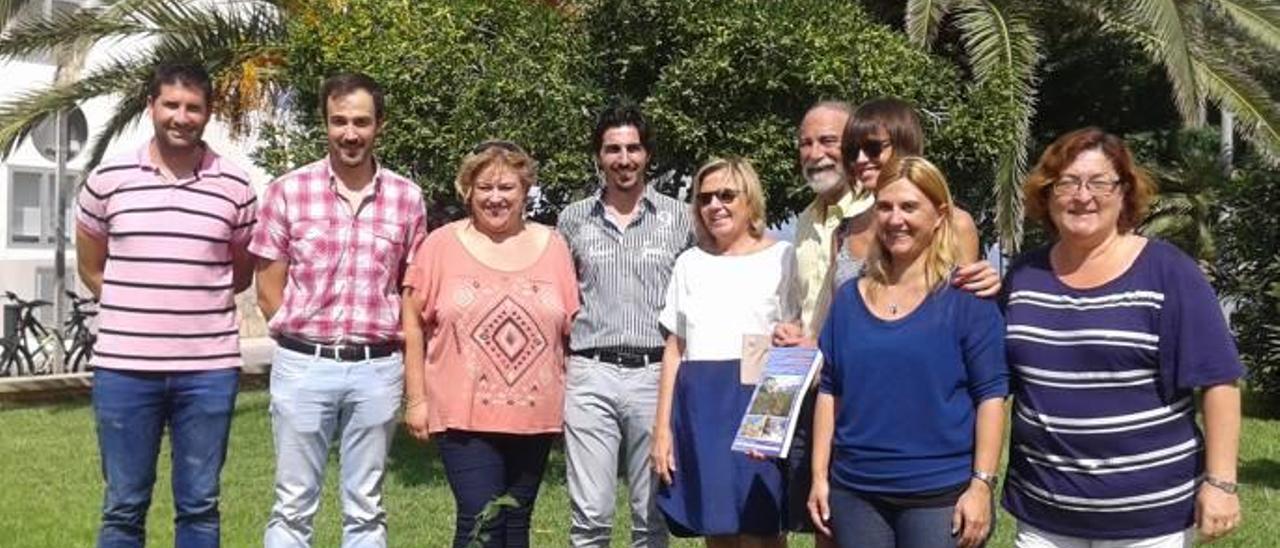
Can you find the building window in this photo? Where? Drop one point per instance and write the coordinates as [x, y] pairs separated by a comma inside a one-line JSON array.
[[43, 9], [31, 205]]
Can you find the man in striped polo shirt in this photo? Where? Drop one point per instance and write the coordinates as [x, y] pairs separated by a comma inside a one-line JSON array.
[[624, 240], [161, 239], [333, 241]]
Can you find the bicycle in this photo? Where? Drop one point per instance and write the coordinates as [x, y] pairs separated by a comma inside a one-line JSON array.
[[19, 353], [78, 333]]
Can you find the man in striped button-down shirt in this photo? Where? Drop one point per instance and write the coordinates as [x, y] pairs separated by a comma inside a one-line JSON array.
[[160, 239], [625, 240]]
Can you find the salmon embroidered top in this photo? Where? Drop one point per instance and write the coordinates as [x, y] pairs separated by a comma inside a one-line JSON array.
[[495, 356]]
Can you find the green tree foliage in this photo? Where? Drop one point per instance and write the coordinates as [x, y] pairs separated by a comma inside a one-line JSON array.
[[1188, 208], [735, 76], [724, 77], [1247, 269], [455, 73], [238, 43], [1189, 39]]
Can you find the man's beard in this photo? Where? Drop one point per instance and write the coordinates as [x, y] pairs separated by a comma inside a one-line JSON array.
[[825, 181]]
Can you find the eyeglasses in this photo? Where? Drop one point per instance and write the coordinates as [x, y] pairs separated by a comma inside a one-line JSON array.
[[725, 195], [871, 148], [1097, 187]]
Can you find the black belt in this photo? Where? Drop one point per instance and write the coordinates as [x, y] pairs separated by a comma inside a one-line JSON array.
[[625, 357], [341, 352]]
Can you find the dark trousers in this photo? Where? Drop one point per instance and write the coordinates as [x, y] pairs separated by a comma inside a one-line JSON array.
[[481, 467], [866, 522]]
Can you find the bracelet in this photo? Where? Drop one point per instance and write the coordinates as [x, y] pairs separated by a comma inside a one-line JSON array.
[[991, 480], [1228, 487]]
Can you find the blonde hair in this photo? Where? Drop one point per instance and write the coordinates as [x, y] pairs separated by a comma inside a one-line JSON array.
[[491, 153], [944, 249], [743, 177]]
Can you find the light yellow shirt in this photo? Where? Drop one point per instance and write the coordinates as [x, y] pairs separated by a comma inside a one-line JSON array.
[[814, 231]]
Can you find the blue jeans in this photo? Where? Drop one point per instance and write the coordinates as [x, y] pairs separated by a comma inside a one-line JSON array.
[[313, 401], [484, 466], [870, 523], [132, 410]]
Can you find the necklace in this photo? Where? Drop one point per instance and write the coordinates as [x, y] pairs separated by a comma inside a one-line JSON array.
[[893, 308]]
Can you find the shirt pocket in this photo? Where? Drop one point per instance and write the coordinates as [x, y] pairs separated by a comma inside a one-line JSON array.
[[388, 246], [314, 244]]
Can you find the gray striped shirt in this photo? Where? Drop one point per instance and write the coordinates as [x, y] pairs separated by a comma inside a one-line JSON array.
[[623, 275]]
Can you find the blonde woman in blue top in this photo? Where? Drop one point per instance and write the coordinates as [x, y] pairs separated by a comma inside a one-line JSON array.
[[909, 420]]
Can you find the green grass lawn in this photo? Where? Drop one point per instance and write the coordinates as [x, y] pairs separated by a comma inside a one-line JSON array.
[[51, 486]]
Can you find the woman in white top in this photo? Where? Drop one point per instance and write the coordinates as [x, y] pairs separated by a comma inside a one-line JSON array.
[[725, 294]]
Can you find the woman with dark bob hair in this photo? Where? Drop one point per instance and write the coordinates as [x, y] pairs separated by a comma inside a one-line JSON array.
[[1110, 335]]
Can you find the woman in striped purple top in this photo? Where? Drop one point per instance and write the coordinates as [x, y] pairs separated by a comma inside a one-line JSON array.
[[1110, 335]]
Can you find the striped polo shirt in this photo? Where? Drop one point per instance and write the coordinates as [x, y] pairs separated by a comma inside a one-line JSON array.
[[623, 273], [167, 297], [1104, 439]]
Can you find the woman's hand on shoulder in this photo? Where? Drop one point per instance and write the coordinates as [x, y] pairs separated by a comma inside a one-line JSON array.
[[979, 278], [971, 521]]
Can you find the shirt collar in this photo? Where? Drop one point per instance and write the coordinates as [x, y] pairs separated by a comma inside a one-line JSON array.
[[333, 179], [847, 206], [648, 199], [210, 161]]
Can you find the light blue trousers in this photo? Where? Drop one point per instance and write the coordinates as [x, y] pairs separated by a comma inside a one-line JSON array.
[[313, 402]]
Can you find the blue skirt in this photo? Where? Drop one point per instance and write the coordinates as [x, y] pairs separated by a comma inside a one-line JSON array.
[[716, 491]]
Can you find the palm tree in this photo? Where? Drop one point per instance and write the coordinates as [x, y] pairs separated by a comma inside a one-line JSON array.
[[1197, 42], [239, 42], [1188, 208]]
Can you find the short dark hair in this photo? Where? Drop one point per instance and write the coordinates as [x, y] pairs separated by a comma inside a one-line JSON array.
[[897, 117], [186, 74], [620, 115], [346, 83]]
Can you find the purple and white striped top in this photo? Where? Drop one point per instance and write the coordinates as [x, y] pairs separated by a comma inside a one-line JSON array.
[[1104, 440]]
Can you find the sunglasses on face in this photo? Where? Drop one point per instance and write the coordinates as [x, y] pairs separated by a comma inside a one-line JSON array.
[[725, 195], [871, 148]]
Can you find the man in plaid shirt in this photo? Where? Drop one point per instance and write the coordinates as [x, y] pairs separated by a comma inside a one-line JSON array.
[[333, 239]]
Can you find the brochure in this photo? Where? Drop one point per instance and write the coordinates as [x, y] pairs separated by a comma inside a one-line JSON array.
[[770, 421]]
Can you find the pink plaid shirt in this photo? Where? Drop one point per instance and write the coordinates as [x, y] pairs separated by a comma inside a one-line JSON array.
[[345, 271]]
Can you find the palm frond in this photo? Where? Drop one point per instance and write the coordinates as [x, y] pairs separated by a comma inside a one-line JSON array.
[[1168, 23], [923, 17], [20, 113], [239, 46], [1257, 115], [1261, 20], [10, 9], [998, 37], [1002, 46], [130, 108]]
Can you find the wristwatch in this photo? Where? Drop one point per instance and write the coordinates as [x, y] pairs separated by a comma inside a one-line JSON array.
[[1228, 487], [991, 480]]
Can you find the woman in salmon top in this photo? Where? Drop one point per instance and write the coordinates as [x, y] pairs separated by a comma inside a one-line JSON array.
[[493, 296]]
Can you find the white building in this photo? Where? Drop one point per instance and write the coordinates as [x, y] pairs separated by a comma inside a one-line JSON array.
[[27, 189]]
